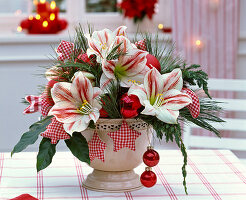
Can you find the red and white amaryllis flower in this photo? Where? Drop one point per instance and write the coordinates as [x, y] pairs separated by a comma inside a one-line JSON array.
[[161, 96], [102, 42], [76, 103], [129, 69]]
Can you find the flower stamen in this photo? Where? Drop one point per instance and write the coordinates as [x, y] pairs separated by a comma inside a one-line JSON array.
[[85, 108], [159, 100], [134, 82]]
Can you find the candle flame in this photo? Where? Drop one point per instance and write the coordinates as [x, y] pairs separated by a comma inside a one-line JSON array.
[[53, 5], [42, 1], [45, 24], [198, 43], [52, 16], [19, 28], [38, 16], [160, 26], [30, 17], [35, 2]]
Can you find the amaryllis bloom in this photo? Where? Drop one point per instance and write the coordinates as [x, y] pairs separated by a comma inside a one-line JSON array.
[[129, 68], [54, 73], [102, 42], [161, 96], [76, 103]]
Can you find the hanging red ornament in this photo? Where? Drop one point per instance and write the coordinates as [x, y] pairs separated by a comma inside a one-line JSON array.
[[152, 61], [148, 178], [151, 157]]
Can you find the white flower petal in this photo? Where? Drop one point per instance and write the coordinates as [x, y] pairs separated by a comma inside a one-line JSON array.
[[167, 116], [139, 91]]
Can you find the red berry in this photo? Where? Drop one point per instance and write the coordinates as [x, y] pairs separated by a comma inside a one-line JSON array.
[[151, 157], [152, 61], [148, 178]]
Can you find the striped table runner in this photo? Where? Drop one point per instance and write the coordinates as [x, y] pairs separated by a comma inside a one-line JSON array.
[[212, 174]]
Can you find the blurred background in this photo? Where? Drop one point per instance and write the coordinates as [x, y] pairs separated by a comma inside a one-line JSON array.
[[209, 32]]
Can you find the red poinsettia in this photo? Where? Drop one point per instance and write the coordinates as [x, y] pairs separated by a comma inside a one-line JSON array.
[[138, 9]]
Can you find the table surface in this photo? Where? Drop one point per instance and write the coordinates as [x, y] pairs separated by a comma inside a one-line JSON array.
[[212, 174]]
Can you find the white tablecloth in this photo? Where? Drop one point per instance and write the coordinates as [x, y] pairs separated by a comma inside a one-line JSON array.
[[212, 174]]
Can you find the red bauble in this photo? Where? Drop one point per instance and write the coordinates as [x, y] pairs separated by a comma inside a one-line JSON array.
[[151, 157], [152, 61], [129, 105], [148, 178], [126, 113]]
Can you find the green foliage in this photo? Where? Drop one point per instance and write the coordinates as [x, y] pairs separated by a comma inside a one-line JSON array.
[[45, 154], [164, 52], [31, 136], [192, 76], [80, 41], [110, 101], [115, 53], [79, 147], [209, 110]]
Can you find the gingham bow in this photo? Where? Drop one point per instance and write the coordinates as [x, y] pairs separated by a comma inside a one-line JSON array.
[[141, 44], [194, 107], [55, 131], [65, 50], [124, 137], [35, 104]]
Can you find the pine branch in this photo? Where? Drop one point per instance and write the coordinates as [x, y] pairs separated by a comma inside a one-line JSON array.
[[198, 77], [80, 39], [163, 52], [110, 100], [208, 111]]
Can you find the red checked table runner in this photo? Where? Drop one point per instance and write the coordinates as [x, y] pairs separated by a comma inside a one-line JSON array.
[[212, 174]]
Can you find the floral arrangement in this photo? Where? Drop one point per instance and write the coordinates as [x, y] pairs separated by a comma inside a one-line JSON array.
[[103, 74], [138, 9]]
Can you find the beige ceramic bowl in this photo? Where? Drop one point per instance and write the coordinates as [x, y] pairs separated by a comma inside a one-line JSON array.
[[116, 173]]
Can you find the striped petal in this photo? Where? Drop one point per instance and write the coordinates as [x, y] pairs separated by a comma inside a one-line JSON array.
[[140, 92], [176, 100], [167, 116], [99, 43], [172, 80], [121, 30], [65, 112], [77, 126], [153, 82], [62, 92]]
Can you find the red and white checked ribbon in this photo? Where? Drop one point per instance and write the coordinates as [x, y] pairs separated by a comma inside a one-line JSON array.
[[45, 104], [55, 131], [96, 148], [141, 44], [194, 107], [35, 104], [65, 49], [124, 137]]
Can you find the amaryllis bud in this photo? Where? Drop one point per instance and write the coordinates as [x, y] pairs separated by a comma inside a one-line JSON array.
[[152, 61]]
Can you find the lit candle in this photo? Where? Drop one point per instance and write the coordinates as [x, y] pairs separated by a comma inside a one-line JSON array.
[[19, 29], [53, 10], [42, 7], [199, 44]]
